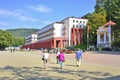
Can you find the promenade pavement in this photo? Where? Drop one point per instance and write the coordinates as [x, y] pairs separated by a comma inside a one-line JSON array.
[[27, 65]]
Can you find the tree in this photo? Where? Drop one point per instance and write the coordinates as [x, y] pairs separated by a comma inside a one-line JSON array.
[[110, 9], [100, 7], [5, 39], [18, 41], [94, 21], [113, 13]]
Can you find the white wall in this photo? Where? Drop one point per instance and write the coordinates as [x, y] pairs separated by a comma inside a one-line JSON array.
[[31, 38], [58, 30], [70, 23]]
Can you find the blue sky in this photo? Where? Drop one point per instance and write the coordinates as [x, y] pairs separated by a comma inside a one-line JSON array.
[[39, 13]]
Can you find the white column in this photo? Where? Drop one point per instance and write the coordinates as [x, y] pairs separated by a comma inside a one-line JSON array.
[[109, 35], [98, 38], [104, 37]]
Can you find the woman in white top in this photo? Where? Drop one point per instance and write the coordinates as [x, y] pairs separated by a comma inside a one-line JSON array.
[[57, 56], [45, 58]]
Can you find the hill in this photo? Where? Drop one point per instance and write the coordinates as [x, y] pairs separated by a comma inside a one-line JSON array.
[[21, 32]]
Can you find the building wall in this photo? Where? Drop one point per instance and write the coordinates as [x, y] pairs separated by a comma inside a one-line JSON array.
[[45, 33], [58, 30], [71, 22], [31, 39], [58, 34], [103, 38]]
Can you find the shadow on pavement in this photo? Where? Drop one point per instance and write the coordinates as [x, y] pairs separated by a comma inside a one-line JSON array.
[[106, 52], [38, 73], [111, 78]]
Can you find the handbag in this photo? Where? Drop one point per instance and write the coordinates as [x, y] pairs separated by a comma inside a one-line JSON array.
[[63, 60], [57, 57], [43, 58]]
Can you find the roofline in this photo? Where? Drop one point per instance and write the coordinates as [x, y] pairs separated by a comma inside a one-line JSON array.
[[73, 17], [61, 21]]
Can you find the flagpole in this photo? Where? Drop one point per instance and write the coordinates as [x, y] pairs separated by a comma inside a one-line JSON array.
[[87, 42], [109, 25], [87, 38]]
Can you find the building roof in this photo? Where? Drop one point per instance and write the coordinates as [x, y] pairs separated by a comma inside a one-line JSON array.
[[110, 23], [73, 17]]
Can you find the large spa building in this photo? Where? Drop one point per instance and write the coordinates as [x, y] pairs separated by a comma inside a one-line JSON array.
[[65, 33]]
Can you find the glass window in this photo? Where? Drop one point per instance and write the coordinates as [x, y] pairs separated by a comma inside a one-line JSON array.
[[73, 25], [76, 25], [80, 26]]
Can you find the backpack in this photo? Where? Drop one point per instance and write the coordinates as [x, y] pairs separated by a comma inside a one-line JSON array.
[[78, 54], [61, 57]]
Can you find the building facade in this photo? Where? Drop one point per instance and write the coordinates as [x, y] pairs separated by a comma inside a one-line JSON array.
[[104, 36], [30, 40], [65, 33]]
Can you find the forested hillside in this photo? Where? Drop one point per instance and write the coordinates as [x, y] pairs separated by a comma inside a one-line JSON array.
[[21, 32]]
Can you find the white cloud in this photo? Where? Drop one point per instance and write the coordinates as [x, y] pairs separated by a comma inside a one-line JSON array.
[[40, 8], [47, 22], [25, 18], [6, 13], [17, 14], [3, 24]]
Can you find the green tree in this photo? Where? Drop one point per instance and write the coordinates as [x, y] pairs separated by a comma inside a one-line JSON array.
[[18, 41], [113, 13], [100, 7], [110, 9], [95, 20], [5, 39]]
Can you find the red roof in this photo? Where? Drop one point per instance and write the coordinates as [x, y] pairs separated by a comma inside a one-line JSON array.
[[110, 23]]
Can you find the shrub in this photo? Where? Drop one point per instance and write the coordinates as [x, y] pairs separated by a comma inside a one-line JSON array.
[[81, 46]]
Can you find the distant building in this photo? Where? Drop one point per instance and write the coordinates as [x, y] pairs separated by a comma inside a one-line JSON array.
[[31, 38], [104, 37], [65, 33]]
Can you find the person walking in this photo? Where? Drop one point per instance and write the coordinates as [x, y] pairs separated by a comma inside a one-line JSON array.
[[78, 56], [57, 56], [45, 58], [61, 59]]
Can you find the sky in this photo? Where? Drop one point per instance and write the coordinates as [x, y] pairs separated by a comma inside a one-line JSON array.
[[36, 14]]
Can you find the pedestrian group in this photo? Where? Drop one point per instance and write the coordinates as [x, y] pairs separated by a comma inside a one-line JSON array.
[[60, 58]]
